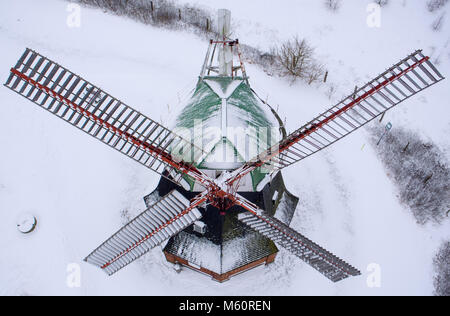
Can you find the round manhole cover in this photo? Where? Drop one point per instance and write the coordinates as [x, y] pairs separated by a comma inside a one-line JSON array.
[[26, 223]]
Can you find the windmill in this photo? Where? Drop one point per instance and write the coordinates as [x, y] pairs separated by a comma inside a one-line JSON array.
[[199, 192]]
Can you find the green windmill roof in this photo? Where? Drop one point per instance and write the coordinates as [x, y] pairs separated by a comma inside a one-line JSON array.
[[225, 118]]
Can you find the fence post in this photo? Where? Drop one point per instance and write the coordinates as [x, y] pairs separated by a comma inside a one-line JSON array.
[[428, 179], [326, 77], [406, 147], [151, 6], [354, 93], [179, 14], [207, 25]]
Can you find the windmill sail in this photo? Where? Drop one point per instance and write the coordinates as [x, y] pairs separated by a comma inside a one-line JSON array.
[[320, 259], [102, 116], [400, 82], [159, 222]]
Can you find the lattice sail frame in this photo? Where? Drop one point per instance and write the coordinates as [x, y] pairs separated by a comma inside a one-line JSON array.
[[158, 223], [87, 107], [320, 259], [400, 82]]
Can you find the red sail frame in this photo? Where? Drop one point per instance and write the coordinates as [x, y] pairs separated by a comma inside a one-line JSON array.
[[348, 115]]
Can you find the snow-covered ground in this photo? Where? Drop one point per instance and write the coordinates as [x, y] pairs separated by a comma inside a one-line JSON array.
[[77, 187]]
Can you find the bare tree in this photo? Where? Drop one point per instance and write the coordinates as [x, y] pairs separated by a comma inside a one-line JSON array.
[[296, 60], [295, 57]]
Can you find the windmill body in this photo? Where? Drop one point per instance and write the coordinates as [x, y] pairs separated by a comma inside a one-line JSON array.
[[221, 206], [231, 119], [226, 119]]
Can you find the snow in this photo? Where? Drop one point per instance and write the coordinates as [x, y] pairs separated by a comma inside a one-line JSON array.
[[199, 252], [77, 187]]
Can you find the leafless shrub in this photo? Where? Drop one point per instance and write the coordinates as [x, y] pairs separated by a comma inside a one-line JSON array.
[[295, 56], [419, 170], [442, 270], [332, 5], [438, 23], [434, 5], [331, 91], [296, 60], [164, 13], [315, 73]]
